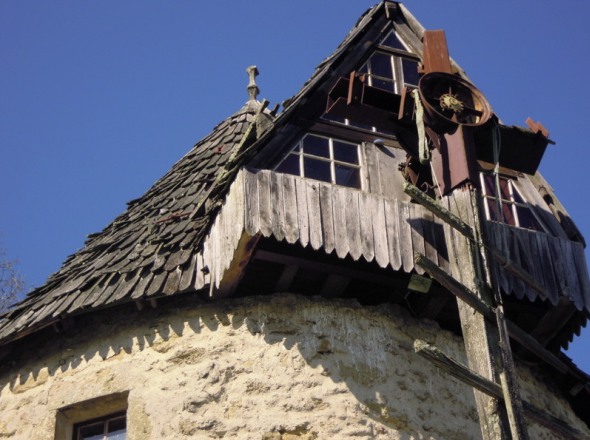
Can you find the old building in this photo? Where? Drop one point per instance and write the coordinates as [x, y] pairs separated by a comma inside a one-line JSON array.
[[378, 259]]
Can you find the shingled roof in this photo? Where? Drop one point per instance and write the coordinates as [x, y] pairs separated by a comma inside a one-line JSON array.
[[153, 248], [148, 250]]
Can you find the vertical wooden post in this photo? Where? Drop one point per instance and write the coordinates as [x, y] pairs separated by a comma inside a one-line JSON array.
[[481, 339]]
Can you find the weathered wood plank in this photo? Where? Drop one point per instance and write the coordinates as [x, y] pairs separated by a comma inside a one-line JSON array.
[[327, 216], [392, 217], [379, 231], [353, 227], [372, 168], [290, 209], [366, 226], [340, 234], [252, 214], [264, 203], [313, 210], [231, 277], [548, 270], [417, 232], [277, 205], [200, 272], [391, 179], [582, 268], [573, 292], [302, 214], [405, 236], [429, 237]]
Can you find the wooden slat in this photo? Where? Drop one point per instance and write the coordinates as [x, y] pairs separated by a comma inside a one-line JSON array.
[[366, 226], [548, 272], [372, 168], [379, 232], [417, 233], [313, 210], [264, 203], [582, 268], [327, 215], [393, 232], [290, 209], [428, 236], [199, 272], [252, 214], [340, 233], [277, 205], [405, 236], [302, 214], [353, 228], [573, 289]]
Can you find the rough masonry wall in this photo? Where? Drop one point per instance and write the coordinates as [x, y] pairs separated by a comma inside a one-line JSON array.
[[281, 367]]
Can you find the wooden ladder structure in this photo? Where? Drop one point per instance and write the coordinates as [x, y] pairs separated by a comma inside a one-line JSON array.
[[486, 331]]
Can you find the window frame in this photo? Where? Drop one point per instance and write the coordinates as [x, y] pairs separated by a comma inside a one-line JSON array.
[[512, 202], [298, 150], [104, 420], [396, 57]]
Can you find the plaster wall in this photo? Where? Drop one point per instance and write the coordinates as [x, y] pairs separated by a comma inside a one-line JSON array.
[[280, 367]]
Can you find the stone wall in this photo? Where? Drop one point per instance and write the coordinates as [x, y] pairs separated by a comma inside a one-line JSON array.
[[280, 367]]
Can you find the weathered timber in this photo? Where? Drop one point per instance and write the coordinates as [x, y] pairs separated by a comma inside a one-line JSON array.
[[438, 210], [481, 338], [466, 295], [492, 389], [234, 273]]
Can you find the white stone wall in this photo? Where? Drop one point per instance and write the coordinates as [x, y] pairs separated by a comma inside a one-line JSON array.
[[282, 367]]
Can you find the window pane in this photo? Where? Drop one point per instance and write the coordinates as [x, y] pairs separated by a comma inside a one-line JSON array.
[[508, 214], [347, 176], [290, 165], [410, 69], [316, 169], [381, 65], [505, 188], [94, 431], [489, 186], [391, 40], [345, 152], [493, 210], [116, 425], [527, 219], [382, 84], [318, 146]]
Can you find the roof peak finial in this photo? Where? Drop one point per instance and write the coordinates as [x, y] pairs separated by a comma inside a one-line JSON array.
[[252, 88]]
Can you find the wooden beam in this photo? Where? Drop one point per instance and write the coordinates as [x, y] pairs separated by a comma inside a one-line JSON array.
[[233, 274], [328, 268], [286, 278], [438, 210], [494, 390], [515, 332]]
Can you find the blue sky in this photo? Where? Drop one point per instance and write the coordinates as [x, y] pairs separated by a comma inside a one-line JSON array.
[[99, 99]]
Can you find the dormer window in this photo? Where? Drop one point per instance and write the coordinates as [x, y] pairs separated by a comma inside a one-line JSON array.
[[504, 204], [326, 159], [391, 66]]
